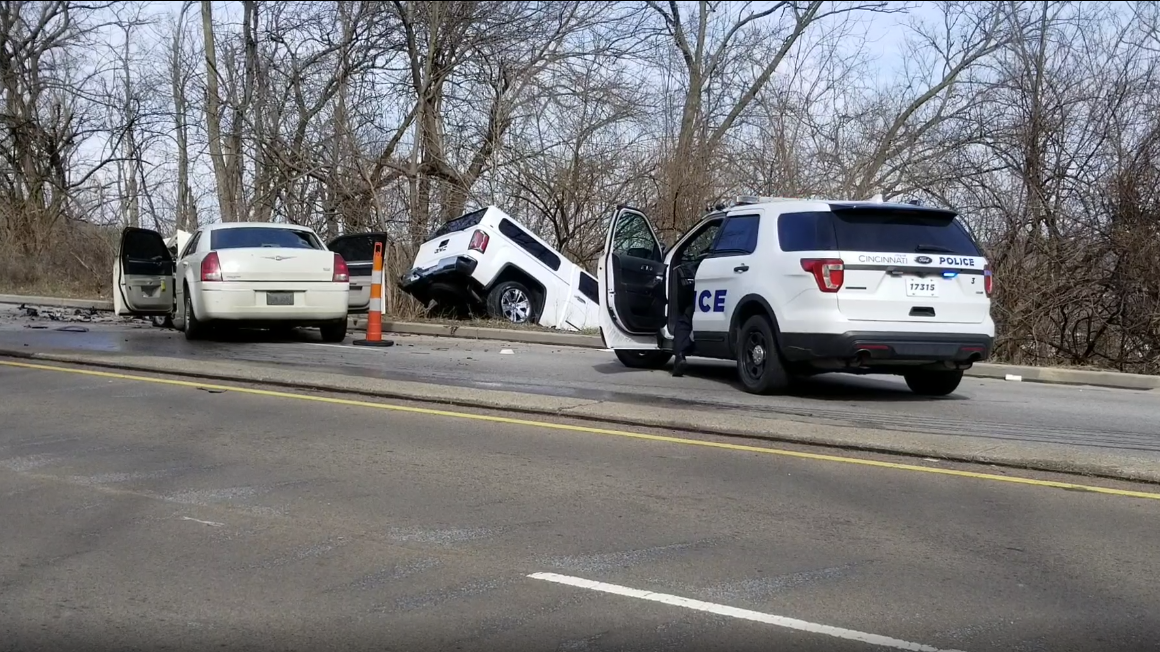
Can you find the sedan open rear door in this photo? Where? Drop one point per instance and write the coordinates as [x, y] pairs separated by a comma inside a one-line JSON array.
[[632, 283], [143, 274]]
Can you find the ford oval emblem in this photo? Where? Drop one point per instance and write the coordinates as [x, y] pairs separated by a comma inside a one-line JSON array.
[[923, 260]]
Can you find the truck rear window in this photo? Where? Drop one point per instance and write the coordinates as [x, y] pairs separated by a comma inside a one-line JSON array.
[[258, 237], [458, 224], [875, 230]]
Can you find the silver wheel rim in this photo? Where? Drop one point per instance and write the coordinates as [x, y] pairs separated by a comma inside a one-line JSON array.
[[758, 354], [515, 306]]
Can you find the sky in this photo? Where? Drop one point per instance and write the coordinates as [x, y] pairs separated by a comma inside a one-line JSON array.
[[884, 42]]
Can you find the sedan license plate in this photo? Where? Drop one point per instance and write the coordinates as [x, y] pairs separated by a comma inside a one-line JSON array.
[[279, 298], [921, 287]]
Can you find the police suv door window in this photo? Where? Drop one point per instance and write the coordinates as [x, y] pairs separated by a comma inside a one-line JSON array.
[[738, 236], [634, 238]]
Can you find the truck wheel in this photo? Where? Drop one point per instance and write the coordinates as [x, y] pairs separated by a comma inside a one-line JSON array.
[[934, 383], [334, 332], [512, 301], [758, 361], [643, 359]]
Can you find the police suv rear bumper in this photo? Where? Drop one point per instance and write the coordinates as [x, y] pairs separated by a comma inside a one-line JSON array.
[[450, 278], [870, 348]]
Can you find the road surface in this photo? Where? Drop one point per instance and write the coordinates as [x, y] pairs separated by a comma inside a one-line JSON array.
[[1117, 420], [140, 514]]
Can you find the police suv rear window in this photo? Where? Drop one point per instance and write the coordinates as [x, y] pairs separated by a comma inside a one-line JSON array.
[[875, 230]]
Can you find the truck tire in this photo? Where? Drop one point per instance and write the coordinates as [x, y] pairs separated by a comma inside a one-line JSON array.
[[512, 301], [759, 363], [933, 383], [643, 359]]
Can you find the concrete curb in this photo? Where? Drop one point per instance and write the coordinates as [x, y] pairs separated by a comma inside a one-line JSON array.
[[483, 333], [1061, 376], [1019, 455], [1050, 375]]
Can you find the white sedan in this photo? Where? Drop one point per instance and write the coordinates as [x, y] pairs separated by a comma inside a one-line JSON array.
[[241, 274]]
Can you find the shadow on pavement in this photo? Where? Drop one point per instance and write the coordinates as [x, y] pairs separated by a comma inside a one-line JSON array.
[[826, 387]]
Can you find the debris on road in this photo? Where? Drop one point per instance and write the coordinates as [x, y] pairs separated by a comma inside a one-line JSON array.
[[25, 313]]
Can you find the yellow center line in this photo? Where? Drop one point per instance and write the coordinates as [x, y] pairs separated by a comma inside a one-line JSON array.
[[598, 431]]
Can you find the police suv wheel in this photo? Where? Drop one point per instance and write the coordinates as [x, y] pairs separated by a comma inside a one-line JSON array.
[[758, 361], [934, 383], [643, 359]]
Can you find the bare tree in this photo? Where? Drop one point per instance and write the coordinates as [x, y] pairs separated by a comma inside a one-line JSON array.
[[710, 41], [180, 77]]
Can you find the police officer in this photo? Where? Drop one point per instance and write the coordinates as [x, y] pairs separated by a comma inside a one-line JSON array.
[[683, 332]]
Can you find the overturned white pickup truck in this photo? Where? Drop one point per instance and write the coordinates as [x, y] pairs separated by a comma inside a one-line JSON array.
[[486, 262]]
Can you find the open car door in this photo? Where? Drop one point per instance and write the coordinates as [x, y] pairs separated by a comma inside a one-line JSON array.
[[143, 274], [358, 250], [632, 283]]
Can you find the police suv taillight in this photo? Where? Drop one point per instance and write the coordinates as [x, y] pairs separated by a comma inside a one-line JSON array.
[[988, 280], [829, 273], [478, 242]]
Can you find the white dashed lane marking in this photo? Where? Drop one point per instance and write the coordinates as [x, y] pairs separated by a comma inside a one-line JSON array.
[[734, 612]]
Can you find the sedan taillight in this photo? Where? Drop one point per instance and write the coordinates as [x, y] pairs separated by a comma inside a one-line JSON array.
[[211, 267], [341, 272]]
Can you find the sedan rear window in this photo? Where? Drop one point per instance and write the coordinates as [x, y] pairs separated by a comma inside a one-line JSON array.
[[258, 237], [875, 230]]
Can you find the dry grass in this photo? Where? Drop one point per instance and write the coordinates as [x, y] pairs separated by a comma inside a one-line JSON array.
[[80, 267]]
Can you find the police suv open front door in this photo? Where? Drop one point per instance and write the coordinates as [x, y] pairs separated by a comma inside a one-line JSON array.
[[143, 274], [632, 283]]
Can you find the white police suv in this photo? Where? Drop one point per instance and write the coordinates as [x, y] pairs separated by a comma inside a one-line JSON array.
[[794, 287]]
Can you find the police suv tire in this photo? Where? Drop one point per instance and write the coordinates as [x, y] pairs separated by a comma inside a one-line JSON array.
[[334, 332], [643, 359], [495, 302], [755, 341], [195, 329], [933, 383]]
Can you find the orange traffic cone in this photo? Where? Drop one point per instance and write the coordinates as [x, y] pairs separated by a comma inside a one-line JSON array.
[[375, 313]]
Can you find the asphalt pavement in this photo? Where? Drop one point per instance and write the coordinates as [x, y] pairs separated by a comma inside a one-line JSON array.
[[138, 515], [1123, 421]]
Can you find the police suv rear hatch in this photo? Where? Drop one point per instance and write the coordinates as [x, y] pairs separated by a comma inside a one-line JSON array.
[[908, 264]]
